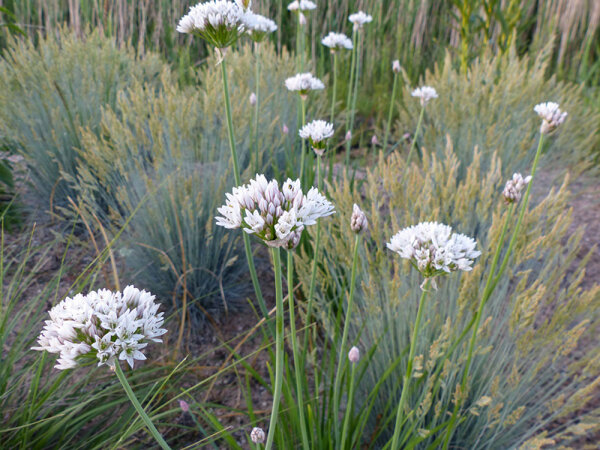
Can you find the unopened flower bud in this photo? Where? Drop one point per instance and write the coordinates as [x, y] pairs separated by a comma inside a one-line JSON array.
[[185, 407], [285, 130], [354, 355], [358, 222], [257, 435], [253, 99], [374, 140], [513, 188], [349, 135], [396, 66], [301, 19]]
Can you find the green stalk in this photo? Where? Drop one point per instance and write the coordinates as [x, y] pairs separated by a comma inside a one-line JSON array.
[[414, 142], [332, 115], [349, 115], [303, 103], [139, 408], [491, 286], [238, 182], [348, 412], [390, 113], [278, 347], [342, 352], [256, 89], [298, 366], [408, 376]]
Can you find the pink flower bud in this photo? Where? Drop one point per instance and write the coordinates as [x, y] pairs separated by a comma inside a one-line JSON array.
[[349, 135], [257, 435], [358, 221], [354, 355], [185, 407], [285, 129], [374, 140], [396, 66], [253, 99]]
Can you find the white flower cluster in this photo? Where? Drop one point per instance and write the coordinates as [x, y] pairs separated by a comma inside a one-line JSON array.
[[259, 26], [425, 93], [359, 19], [276, 216], [433, 249], [551, 116], [257, 435], [354, 355], [302, 5], [337, 41], [317, 132], [102, 326], [514, 186], [220, 22], [303, 82], [358, 221]]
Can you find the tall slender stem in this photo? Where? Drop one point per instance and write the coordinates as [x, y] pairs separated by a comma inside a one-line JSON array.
[[390, 113], [409, 367], [256, 92], [278, 346], [238, 182], [138, 407], [330, 153], [349, 115], [302, 152], [490, 286], [342, 351], [298, 363], [349, 407], [414, 142]]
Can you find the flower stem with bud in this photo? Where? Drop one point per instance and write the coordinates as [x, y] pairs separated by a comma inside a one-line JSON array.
[[138, 407], [349, 406], [414, 142], [409, 367], [349, 114]]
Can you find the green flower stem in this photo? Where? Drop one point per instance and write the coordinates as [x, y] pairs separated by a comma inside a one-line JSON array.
[[414, 142], [256, 92], [342, 352], [302, 152], [139, 408], [490, 286], [349, 114], [298, 366], [349, 407], [330, 153], [313, 274], [409, 367], [238, 182], [278, 347], [390, 113]]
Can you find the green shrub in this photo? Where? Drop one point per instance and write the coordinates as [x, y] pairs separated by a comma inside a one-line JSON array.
[[172, 146], [49, 91], [492, 108], [531, 357]]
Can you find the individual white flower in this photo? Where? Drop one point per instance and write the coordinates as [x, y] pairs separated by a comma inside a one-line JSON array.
[[302, 5], [257, 435], [252, 99], [275, 215], [354, 355], [102, 326], [358, 221], [259, 27], [317, 132], [359, 19], [433, 249], [219, 22], [337, 41], [303, 83], [513, 188], [425, 93], [396, 66], [551, 116]]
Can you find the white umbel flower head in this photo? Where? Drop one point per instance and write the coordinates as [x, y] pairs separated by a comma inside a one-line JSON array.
[[425, 93], [219, 22], [275, 215], [396, 66], [317, 132], [303, 83], [302, 5], [358, 221], [336, 41], [259, 27], [513, 188], [257, 435], [102, 326], [551, 116], [433, 249], [354, 355], [359, 19]]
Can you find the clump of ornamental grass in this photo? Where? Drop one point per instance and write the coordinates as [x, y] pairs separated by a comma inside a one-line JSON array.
[[496, 96], [49, 90], [524, 383]]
